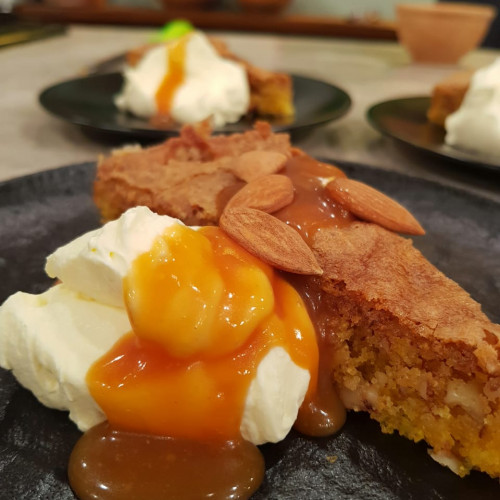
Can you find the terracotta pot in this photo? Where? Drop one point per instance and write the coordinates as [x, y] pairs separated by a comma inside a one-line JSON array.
[[442, 33]]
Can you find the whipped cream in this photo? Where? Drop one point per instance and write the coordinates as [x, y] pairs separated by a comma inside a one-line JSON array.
[[50, 340], [213, 87], [475, 126], [274, 398], [96, 263]]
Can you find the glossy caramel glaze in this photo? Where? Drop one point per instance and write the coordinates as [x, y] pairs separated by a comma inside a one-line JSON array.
[[323, 414], [107, 464], [107, 461], [312, 209], [204, 313]]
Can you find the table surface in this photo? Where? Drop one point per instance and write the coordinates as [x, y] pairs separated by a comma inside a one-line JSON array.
[[32, 140]]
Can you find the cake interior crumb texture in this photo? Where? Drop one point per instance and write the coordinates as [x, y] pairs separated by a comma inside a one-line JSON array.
[[411, 347]]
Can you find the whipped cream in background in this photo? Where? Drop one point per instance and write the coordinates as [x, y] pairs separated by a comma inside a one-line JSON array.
[[213, 87], [50, 340], [475, 126]]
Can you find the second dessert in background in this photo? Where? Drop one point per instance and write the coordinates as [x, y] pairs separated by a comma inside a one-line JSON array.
[[467, 104], [194, 78]]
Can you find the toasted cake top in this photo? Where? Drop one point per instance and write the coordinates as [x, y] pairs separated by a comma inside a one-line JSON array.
[[387, 270], [189, 177]]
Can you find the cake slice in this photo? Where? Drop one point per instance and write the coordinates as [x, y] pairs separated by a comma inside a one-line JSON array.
[[404, 343], [411, 347], [447, 96]]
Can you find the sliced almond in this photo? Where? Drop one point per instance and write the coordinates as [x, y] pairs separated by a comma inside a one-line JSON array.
[[373, 206], [255, 164], [268, 194], [269, 239]]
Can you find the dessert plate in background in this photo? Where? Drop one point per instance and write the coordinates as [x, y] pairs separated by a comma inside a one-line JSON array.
[[40, 212], [88, 101], [405, 120]]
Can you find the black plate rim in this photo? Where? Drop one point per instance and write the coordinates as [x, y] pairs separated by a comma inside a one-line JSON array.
[[152, 133], [454, 154]]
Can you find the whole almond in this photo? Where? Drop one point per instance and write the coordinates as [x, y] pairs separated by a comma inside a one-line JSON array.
[[269, 239], [373, 206], [268, 194], [254, 164]]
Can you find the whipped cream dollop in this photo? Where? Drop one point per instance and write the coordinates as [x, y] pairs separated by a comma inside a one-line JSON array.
[[210, 86], [95, 263], [50, 340], [475, 126]]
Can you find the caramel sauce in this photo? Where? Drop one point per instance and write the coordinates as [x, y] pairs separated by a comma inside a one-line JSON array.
[[174, 408], [174, 77], [107, 464], [312, 209], [323, 414], [204, 313]]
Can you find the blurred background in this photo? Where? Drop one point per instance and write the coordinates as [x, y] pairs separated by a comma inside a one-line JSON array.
[[363, 46], [356, 18]]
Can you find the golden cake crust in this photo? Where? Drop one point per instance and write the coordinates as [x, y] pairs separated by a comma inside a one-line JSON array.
[[185, 177], [389, 272]]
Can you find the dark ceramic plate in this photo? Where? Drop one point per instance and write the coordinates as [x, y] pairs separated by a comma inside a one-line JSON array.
[[88, 102], [42, 211], [406, 121]]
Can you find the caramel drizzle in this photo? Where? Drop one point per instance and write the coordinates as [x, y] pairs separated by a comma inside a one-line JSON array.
[[313, 210], [94, 460], [109, 464], [174, 78]]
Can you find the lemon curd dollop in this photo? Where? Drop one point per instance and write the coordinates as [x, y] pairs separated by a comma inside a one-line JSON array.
[[204, 314]]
